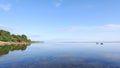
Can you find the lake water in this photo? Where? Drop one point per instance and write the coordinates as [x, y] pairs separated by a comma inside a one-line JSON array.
[[61, 55]]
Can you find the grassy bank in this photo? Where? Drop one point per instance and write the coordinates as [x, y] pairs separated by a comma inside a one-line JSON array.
[[6, 38]]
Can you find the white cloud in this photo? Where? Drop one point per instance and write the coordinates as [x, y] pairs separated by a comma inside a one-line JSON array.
[[58, 3], [102, 27], [6, 27], [112, 26], [5, 7]]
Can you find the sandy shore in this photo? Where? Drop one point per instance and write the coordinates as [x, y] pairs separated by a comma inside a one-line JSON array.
[[13, 43]]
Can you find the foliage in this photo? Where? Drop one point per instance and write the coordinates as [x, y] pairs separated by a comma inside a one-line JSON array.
[[7, 37], [7, 48]]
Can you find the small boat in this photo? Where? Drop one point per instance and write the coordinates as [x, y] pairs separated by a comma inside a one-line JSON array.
[[97, 43], [101, 43]]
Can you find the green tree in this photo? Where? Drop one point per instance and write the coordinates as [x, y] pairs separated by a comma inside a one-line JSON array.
[[7, 37]]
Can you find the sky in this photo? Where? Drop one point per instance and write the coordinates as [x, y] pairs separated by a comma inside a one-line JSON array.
[[62, 20]]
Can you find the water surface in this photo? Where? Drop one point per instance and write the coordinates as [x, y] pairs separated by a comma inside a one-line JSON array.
[[61, 55]]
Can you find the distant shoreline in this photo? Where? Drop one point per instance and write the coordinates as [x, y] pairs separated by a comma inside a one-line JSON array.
[[95, 42]]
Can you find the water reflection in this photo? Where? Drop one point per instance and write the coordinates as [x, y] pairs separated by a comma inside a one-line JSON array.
[[7, 48], [61, 56]]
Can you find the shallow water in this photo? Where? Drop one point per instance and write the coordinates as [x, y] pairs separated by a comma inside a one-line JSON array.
[[61, 55]]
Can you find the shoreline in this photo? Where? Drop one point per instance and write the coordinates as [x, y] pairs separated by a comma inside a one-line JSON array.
[[13, 43]]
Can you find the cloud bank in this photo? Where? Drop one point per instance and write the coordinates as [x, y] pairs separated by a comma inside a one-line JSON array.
[[102, 27], [5, 7], [7, 27]]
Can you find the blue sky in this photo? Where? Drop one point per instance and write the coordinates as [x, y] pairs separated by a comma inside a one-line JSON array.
[[62, 20]]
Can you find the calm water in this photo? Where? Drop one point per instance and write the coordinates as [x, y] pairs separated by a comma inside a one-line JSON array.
[[61, 55]]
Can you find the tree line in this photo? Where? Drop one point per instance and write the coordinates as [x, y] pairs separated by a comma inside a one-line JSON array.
[[8, 37], [7, 48]]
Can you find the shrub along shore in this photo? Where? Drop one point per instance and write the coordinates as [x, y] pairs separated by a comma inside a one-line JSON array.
[[6, 38]]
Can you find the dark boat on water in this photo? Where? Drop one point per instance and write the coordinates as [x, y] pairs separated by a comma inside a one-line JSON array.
[[101, 43]]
